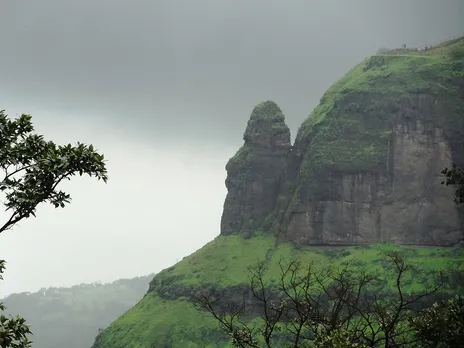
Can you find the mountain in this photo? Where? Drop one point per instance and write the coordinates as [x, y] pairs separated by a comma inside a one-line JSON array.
[[72, 317], [362, 177]]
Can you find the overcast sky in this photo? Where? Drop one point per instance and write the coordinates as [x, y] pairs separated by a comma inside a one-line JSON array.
[[164, 90]]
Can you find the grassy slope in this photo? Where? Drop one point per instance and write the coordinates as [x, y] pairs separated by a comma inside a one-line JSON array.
[[164, 318], [70, 317], [158, 322], [358, 139]]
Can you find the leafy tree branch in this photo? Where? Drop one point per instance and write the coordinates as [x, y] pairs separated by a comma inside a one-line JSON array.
[[32, 170]]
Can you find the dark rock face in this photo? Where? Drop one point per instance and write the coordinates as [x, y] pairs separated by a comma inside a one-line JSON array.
[[254, 173], [402, 201]]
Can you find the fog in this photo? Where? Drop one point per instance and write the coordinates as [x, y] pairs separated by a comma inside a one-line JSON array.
[[164, 90]]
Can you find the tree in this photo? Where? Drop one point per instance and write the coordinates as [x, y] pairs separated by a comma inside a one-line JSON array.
[[32, 170], [13, 331], [455, 177], [329, 307], [442, 325]]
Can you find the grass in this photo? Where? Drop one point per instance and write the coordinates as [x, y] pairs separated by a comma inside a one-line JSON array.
[[397, 74], [157, 321], [222, 260]]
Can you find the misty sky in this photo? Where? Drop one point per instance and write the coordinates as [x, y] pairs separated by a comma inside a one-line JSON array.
[[164, 90]]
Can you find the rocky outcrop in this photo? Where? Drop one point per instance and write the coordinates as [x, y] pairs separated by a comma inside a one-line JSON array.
[[254, 173], [366, 165]]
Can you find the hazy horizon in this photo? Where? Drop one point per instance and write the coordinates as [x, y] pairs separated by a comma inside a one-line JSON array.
[[164, 89]]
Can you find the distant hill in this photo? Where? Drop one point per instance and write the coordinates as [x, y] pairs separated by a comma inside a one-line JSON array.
[[71, 317]]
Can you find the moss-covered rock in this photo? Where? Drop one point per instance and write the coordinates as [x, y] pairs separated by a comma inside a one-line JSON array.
[[254, 173]]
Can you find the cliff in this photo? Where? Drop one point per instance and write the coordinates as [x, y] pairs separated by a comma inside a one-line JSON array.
[[255, 172], [365, 166]]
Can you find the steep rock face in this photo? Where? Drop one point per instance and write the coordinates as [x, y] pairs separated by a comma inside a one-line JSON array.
[[399, 200], [366, 164], [253, 174]]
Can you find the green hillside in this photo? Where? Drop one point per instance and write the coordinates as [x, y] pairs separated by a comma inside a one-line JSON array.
[[72, 317], [166, 316]]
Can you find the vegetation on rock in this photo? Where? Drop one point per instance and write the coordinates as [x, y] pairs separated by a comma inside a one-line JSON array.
[[253, 174], [350, 129]]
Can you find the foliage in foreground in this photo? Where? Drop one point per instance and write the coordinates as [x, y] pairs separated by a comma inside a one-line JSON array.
[[13, 331], [33, 168], [442, 325], [332, 307], [455, 177]]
